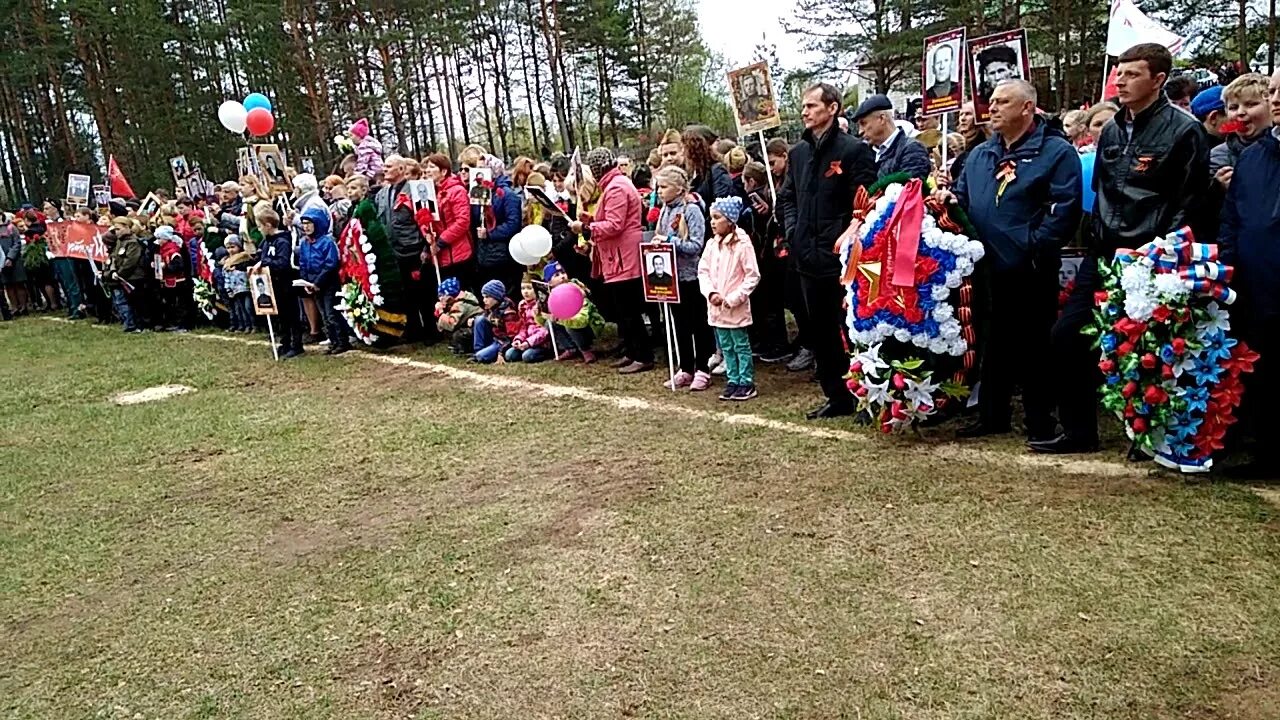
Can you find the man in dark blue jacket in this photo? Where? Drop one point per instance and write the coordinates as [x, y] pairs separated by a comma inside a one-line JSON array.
[[894, 151], [1250, 241], [1021, 189]]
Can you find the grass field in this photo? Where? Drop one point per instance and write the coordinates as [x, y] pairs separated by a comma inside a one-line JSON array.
[[348, 538]]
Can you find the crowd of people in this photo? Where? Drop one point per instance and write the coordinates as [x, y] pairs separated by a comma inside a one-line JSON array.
[[753, 230]]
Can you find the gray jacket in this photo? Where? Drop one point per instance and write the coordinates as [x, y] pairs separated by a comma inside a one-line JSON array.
[[1227, 154], [688, 241]]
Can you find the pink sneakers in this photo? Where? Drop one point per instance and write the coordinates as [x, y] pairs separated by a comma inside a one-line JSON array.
[[701, 381], [682, 379]]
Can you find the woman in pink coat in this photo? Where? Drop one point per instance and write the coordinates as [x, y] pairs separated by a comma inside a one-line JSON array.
[[727, 274], [616, 233]]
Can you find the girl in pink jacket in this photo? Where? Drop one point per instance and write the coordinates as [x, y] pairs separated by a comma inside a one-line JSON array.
[[727, 274], [531, 343]]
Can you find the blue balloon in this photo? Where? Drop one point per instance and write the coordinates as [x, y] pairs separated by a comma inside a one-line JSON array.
[[257, 100], [1086, 174]]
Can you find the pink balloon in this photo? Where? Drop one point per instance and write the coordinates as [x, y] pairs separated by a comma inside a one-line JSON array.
[[566, 301]]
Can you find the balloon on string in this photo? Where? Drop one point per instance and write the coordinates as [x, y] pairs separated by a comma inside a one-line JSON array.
[[257, 100], [520, 255], [566, 301], [232, 115], [260, 122]]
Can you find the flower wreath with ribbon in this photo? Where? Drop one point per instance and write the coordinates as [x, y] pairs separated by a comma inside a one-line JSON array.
[[369, 294], [906, 264], [202, 289], [1172, 371]]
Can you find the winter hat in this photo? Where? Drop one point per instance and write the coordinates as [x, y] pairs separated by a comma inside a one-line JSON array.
[[600, 161], [549, 271], [494, 289], [449, 286], [536, 179], [233, 240], [164, 232], [360, 129], [729, 207], [496, 164]]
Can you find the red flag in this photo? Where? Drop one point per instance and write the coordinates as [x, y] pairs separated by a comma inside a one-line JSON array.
[[1109, 88], [119, 186]]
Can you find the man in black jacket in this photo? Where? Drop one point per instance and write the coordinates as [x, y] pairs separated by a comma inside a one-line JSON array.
[[894, 152], [416, 276], [824, 171], [1148, 177]]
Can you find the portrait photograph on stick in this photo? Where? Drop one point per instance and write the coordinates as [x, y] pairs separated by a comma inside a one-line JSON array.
[[992, 60], [942, 73], [660, 273], [78, 189], [271, 162], [179, 168], [754, 106]]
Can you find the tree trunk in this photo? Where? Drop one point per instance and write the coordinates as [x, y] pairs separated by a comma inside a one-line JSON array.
[[558, 75]]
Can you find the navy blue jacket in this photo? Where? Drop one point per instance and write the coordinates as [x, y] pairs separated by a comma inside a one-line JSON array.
[[318, 259], [276, 254], [494, 249], [1250, 232], [904, 156], [1039, 211]]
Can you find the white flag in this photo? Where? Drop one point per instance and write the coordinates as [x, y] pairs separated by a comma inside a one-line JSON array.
[[1130, 26]]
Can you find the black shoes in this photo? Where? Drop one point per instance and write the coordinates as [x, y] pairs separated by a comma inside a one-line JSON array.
[[980, 429], [336, 349], [829, 410], [1063, 445]]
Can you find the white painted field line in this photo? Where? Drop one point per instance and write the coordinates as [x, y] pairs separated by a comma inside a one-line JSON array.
[[949, 452]]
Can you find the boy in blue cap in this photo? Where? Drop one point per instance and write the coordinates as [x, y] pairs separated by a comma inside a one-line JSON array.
[[576, 335]]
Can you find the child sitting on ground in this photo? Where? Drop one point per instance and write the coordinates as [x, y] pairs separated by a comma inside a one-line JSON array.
[[456, 313], [530, 343], [235, 282], [727, 274], [576, 335], [494, 329]]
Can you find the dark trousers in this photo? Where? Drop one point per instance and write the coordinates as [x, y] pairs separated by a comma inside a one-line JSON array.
[[465, 272], [1261, 332], [768, 309], [335, 326], [288, 320], [173, 306], [1077, 375], [628, 302], [823, 301], [695, 340], [1024, 306], [420, 298], [793, 292]]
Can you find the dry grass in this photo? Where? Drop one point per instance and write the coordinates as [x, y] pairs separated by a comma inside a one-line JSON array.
[[342, 539]]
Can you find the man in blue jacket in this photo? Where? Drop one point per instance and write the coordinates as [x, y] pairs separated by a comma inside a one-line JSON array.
[[1249, 240], [894, 151], [318, 266], [1021, 189]]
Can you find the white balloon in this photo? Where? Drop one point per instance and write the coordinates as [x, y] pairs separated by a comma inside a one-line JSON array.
[[520, 255], [537, 240], [232, 115]]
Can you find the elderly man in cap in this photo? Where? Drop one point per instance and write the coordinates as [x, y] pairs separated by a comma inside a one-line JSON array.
[[895, 152]]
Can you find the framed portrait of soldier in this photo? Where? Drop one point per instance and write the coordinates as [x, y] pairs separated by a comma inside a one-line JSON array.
[[754, 105], [480, 191], [942, 73], [179, 167], [659, 272], [992, 60], [271, 164], [244, 162], [195, 184], [262, 293], [101, 195], [78, 190]]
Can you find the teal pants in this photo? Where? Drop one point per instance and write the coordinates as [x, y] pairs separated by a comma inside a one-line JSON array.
[[735, 346]]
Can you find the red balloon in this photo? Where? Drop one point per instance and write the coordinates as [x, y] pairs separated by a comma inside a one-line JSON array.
[[260, 121]]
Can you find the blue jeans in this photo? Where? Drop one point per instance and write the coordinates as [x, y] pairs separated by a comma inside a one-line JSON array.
[[482, 341], [532, 355], [241, 307], [121, 303], [573, 339], [735, 345]]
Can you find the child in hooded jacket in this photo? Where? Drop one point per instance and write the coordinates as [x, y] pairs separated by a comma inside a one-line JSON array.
[[531, 343], [494, 330], [727, 274], [576, 335], [456, 312], [368, 151], [318, 268]]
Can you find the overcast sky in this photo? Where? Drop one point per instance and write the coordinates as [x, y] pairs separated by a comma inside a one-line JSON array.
[[734, 27]]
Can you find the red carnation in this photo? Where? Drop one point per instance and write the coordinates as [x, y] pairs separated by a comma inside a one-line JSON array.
[[1161, 313], [1166, 372], [1155, 395], [1149, 361], [1107, 366], [1129, 389], [1139, 425], [1129, 412], [1179, 346], [1101, 297], [1124, 349]]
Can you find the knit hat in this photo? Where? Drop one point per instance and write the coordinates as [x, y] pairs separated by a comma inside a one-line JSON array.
[[729, 207], [495, 164], [600, 161], [494, 289], [164, 232], [360, 129], [549, 271], [233, 240], [450, 286]]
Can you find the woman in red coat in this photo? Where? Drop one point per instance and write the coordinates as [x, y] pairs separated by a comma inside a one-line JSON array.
[[453, 245]]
